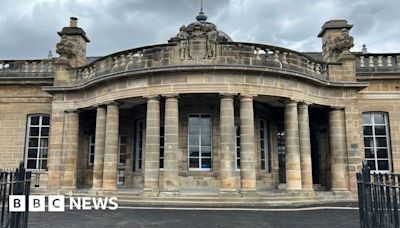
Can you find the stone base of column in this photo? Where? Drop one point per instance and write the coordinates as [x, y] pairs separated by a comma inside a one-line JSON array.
[[169, 193], [229, 193], [249, 193], [149, 192]]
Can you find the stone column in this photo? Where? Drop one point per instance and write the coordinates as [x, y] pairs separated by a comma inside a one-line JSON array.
[[71, 150], [99, 148], [337, 138], [227, 157], [305, 147], [55, 149], [111, 147], [248, 155], [293, 170], [171, 141], [152, 153]]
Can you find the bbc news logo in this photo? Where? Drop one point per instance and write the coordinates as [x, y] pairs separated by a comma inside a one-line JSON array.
[[56, 203]]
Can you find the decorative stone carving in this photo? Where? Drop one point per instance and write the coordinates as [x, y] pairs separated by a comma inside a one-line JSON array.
[[198, 40], [65, 48], [212, 39], [339, 45], [183, 37]]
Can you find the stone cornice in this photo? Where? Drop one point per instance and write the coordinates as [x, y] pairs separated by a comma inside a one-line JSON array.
[[259, 70]]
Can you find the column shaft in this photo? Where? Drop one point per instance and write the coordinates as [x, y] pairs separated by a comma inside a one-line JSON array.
[[337, 134], [227, 157], [111, 147], [55, 149], [247, 145], [99, 148], [171, 141], [293, 170], [71, 150], [152, 153], [305, 148]]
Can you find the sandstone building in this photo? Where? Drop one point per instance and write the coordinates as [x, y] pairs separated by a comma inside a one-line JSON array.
[[201, 113]]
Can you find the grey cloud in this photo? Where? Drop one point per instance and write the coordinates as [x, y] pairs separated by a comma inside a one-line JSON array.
[[29, 31]]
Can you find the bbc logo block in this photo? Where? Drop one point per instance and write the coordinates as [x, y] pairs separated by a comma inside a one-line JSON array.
[[36, 203], [56, 203]]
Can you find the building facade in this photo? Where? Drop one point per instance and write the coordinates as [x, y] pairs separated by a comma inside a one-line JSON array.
[[201, 113]]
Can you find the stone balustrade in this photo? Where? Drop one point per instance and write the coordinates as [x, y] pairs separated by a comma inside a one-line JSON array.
[[229, 54], [26, 68], [374, 63]]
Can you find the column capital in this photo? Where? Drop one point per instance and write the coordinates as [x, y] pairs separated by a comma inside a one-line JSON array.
[[97, 106], [303, 105], [228, 95], [72, 111], [172, 95], [290, 102], [336, 108], [152, 97], [112, 103], [248, 96]]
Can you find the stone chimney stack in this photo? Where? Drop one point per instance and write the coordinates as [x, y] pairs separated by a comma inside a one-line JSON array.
[[73, 22], [336, 40], [72, 46]]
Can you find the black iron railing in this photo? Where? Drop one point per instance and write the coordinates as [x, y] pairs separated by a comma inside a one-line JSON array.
[[14, 183], [378, 198]]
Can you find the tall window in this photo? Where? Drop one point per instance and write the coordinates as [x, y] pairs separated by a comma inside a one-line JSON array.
[[138, 145], [376, 140], [199, 142], [237, 142], [162, 147], [264, 146], [91, 145], [122, 150], [37, 141], [121, 160]]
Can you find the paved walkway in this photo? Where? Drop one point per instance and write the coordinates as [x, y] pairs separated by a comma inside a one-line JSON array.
[[170, 218]]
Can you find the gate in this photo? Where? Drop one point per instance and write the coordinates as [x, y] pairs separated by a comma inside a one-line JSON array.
[[14, 183], [378, 198]]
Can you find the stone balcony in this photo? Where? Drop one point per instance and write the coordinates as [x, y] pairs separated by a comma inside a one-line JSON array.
[[377, 64]]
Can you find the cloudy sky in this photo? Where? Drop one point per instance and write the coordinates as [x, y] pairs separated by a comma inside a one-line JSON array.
[[28, 27]]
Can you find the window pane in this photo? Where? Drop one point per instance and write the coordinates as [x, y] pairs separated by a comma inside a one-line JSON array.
[[43, 153], [32, 153], [43, 164], [262, 134], [194, 130], [383, 165], [45, 131], [367, 130], [34, 131], [122, 149], [381, 142], [379, 118], [238, 163], [193, 151], [206, 130], [369, 153], [45, 120], [205, 120], [35, 120], [193, 140], [380, 130], [206, 163], [33, 142], [368, 142], [122, 159], [194, 163], [371, 164], [206, 141], [31, 164], [194, 120], [382, 153], [262, 164], [123, 139], [44, 142], [262, 154], [206, 151], [366, 118]]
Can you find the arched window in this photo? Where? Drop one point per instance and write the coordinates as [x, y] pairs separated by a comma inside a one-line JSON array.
[[376, 140], [37, 141]]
